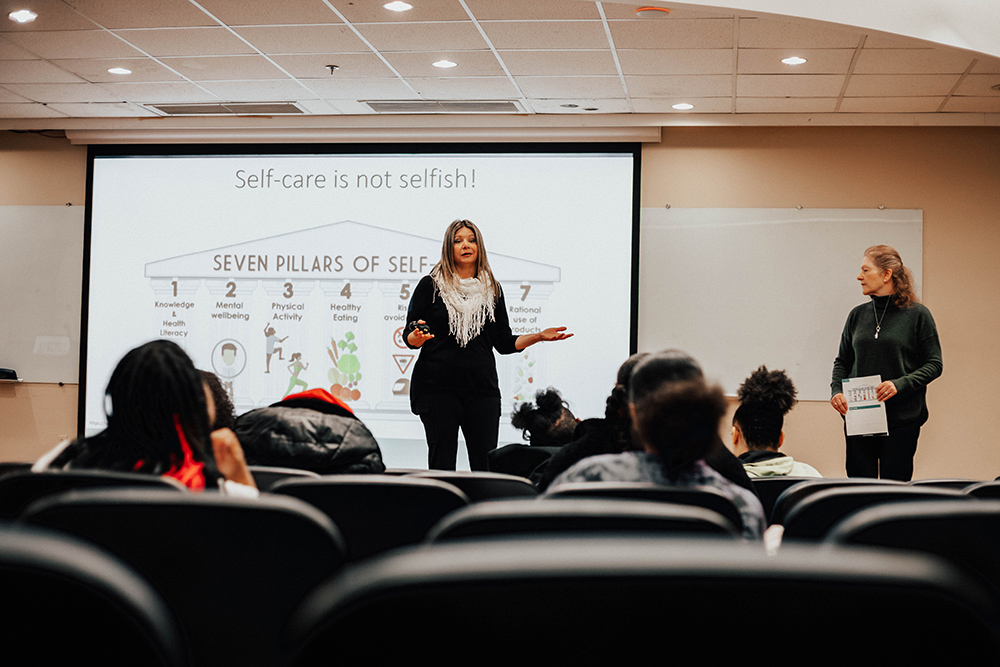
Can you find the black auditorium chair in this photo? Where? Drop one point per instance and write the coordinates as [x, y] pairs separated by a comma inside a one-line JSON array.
[[706, 497], [593, 600], [268, 476], [19, 489], [479, 486], [792, 495], [946, 483], [984, 490], [769, 488], [70, 603], [813, 517], [579, 515], [966, 533], [377, 512], [231, 568], [519, 459], [7, 467]]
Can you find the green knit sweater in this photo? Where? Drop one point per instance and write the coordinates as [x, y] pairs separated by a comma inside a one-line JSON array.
[[906, 352]]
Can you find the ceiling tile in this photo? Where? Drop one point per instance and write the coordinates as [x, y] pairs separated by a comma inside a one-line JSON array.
[[361, 89], [74, 44], [884, 40], [912, 61], [786, 104], [673, 34], [62, 92], [900, 85], [546, 35], [259, 91], [33, 71], [680, 86], [676, 61], [304, 39], [156, 93], [701, 105], [570, 86], [142, 13], [351, 65], [891, 104], [559, 63], [973, 104], [52, 15], [372, 11], [186, 42], [471, 88], [772, 34], [102, 110], [269, 12], [143, 69], [470, 63], [525, 10], [791, 85], [335, 107], [818, 61], [28, 111], [555, 105], [423, 36], [231, 68], [979, 84], [626, 11], [7, 97], [10, 51], [986, 65]]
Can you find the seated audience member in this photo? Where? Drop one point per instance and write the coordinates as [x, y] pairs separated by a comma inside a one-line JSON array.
[[765, 398], [159, 422], [676, 420], [311, 430], [225, 413], [547, 424]]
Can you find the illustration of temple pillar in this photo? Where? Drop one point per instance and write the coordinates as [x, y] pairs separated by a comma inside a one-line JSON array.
[[229, 337], [174, 309], [522, 374], [396, 358], [347, 366], [286, 334]]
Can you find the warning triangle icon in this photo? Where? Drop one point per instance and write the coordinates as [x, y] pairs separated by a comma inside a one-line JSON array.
[[403, 361]]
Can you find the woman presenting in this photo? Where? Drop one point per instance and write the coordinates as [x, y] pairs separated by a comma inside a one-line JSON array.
[[457, 317], [892, 336]]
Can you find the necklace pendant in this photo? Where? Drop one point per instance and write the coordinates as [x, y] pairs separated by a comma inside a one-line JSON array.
[[877, 329]]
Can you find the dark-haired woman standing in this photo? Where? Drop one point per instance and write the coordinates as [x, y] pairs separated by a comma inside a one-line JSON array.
[[457, 317], [892, 336]]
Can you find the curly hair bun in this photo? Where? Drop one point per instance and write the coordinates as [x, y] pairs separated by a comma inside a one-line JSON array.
[[766, 389]]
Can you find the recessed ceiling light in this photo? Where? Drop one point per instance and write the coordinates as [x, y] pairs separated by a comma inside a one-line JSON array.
[[683, 106], [590, 109], [445, 64], [652, 12], [119, 70], [569, 106], [398, 6], [23, 16], [794, 60]]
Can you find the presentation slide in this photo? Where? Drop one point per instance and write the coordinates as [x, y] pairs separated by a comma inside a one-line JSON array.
[[281, 272]]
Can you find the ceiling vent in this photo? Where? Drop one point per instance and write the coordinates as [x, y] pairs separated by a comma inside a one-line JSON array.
[[228, 109], [445, 106]]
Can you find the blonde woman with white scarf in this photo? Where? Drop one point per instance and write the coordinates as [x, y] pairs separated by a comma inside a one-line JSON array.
[[457, 317]]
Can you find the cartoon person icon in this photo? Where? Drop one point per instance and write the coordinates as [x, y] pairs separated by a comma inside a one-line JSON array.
[[272, 340], [295, 368], [228, 358]]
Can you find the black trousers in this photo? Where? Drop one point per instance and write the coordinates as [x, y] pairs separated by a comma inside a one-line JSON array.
[[883, 456], [477, 416]]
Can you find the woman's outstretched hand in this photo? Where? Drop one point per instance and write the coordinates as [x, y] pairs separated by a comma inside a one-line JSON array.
[[554, 333], [418, 336]]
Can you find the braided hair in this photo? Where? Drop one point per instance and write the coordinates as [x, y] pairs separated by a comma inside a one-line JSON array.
[[765, 398], [548, 422]]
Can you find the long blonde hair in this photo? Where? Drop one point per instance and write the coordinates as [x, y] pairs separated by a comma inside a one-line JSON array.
[[446, 271], [887, 259]]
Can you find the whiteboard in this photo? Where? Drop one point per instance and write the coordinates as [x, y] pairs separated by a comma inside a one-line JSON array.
[[737, 288], [41, 268]]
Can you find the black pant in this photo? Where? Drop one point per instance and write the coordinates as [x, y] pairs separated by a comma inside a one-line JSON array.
[[479, 419], [884, 456]]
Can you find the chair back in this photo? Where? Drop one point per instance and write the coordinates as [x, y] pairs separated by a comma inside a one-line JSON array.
[[268, 476], [769, 488], [984, 490], [231, 568], [377, 512], [480, 486], [945, 483], [797, 492], [19, 489]]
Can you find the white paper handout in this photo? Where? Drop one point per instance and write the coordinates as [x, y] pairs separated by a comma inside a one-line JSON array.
[[865, 414]]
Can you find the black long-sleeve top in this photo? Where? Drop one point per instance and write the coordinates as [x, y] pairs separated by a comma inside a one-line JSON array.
[[907, 352], [443, 366]]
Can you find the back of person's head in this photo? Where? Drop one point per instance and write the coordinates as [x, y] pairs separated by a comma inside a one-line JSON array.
[[765, 398], [156, 407], [548, 422], [225, 413], [661, 368], [616, 412], [679, 421]]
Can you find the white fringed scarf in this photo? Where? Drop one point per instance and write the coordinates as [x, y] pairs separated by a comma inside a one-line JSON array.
[[469, 302]]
